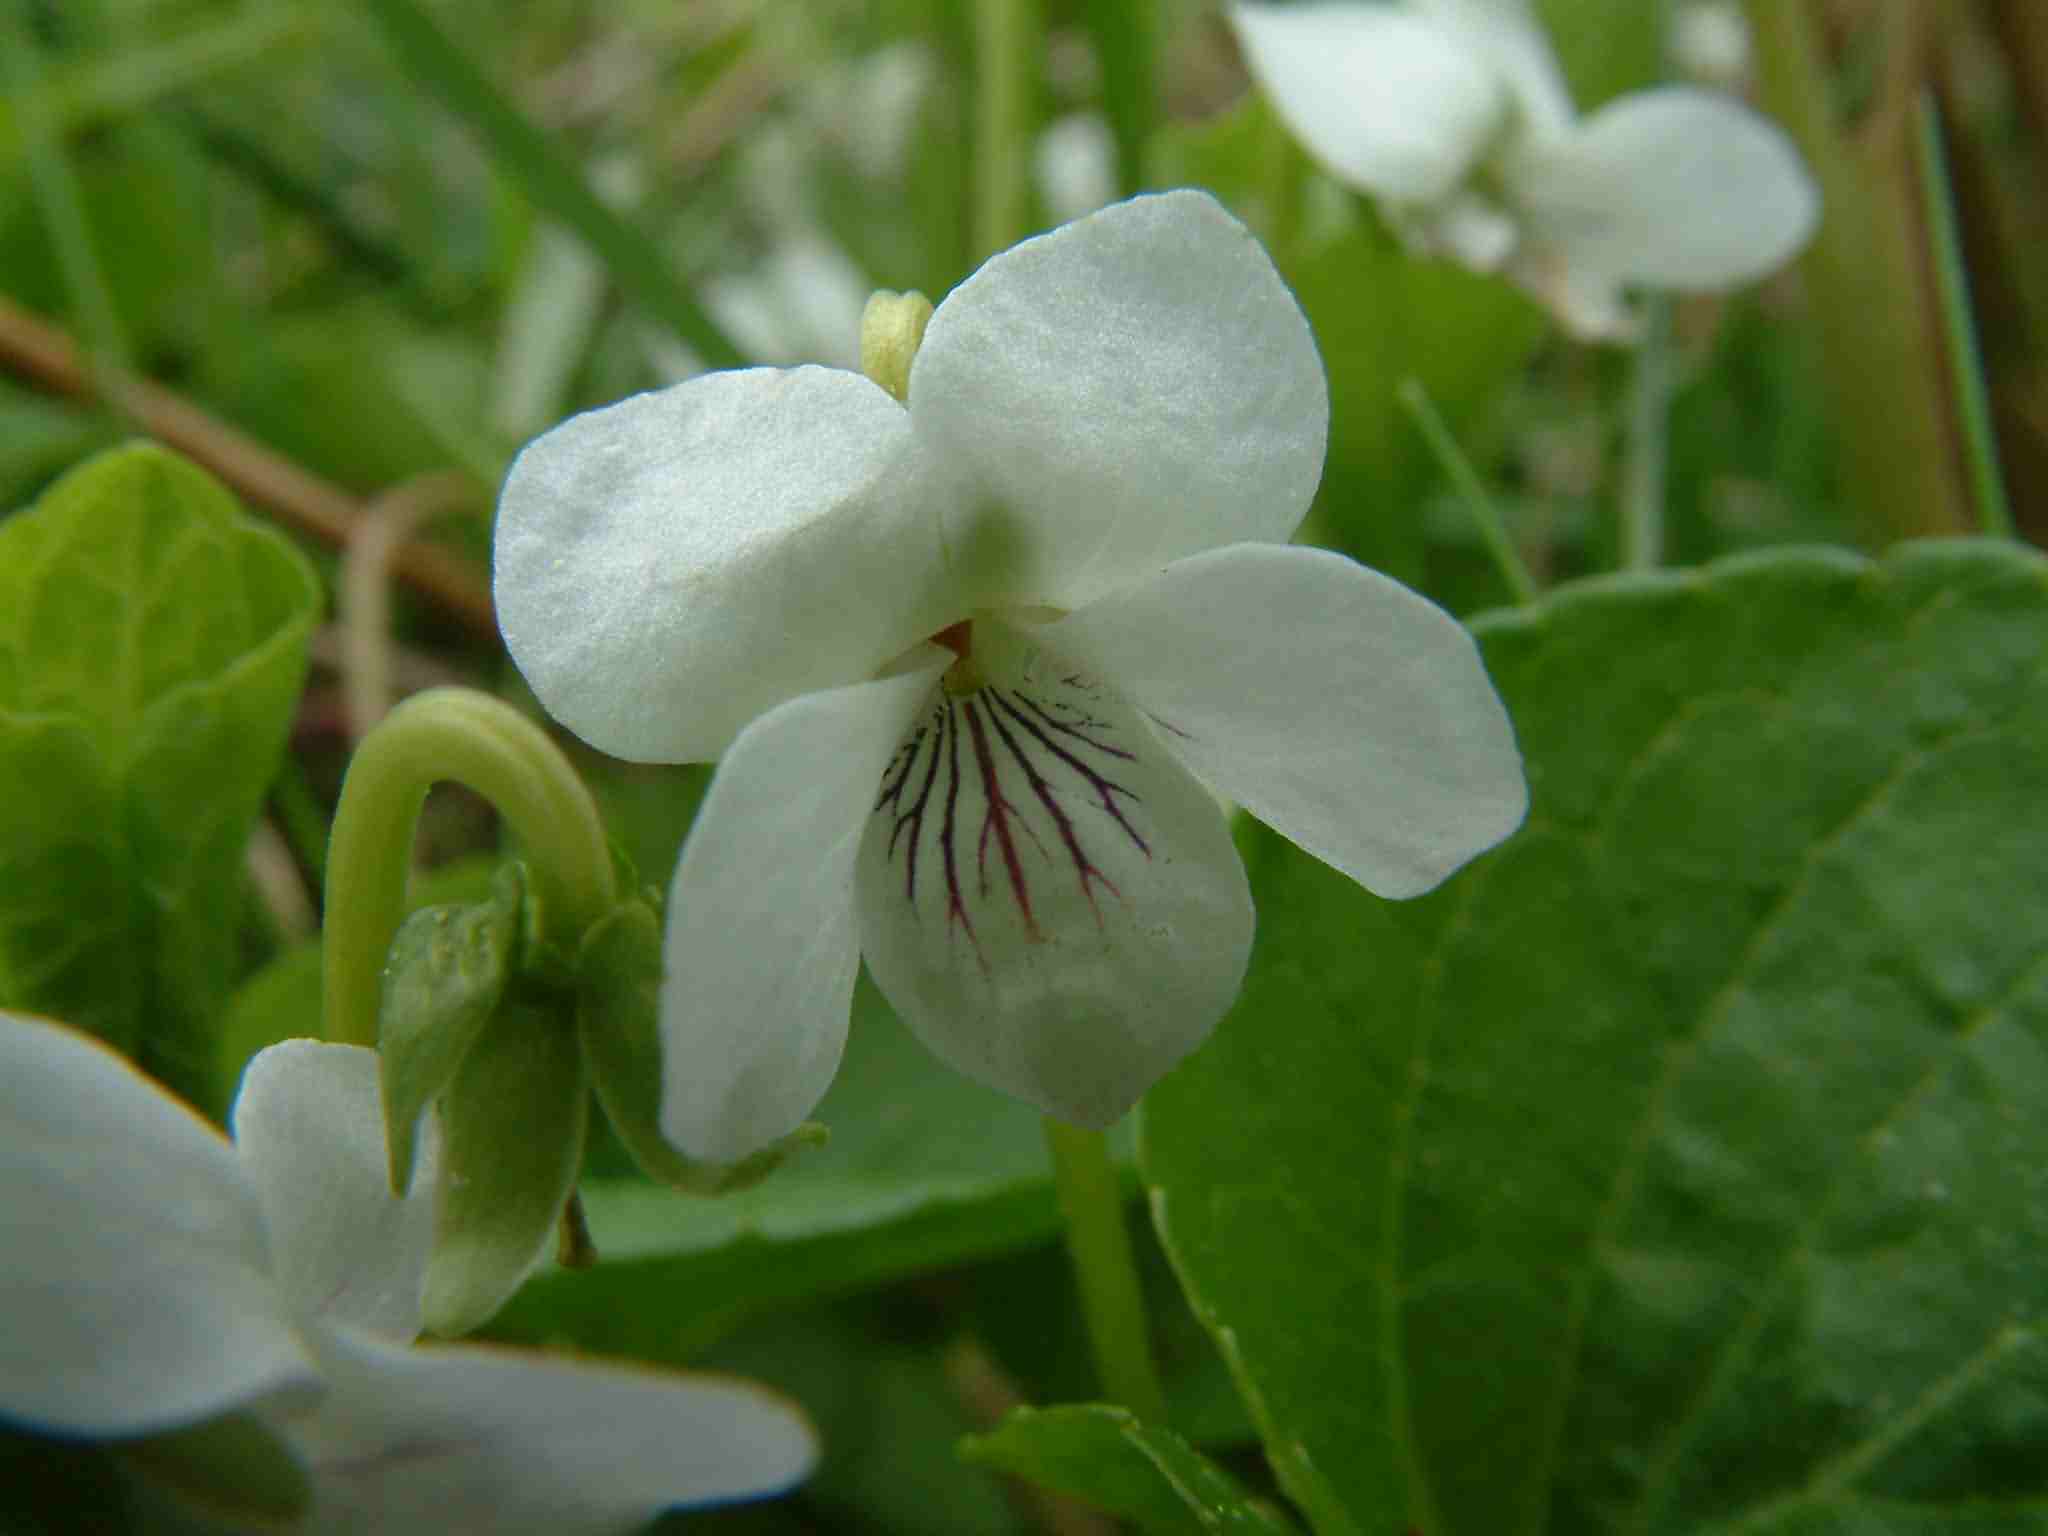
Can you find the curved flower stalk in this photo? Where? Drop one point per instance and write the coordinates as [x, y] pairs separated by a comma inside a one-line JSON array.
[[978, 661], [158, 1277], [1453, 113]]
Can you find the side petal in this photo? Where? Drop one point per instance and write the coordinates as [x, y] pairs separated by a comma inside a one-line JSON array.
[[1387, 100], [309, 1125], [669, 567], [1677, 187], [136, 1281], [760, 954], [1049, 900], [1128, 389], [487, 1441], [1337, 706]]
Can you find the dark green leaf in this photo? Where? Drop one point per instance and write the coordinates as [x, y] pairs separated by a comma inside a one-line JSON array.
[[923, 1169], [445, 976], [1105, 1457], [1684, 1164], [152, 642], [618, 1014], [512, 1127], [234, 1469]]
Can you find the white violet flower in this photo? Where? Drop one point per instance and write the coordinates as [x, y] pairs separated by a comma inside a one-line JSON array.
[[158, 1277], [979, 662], [1454, 114]]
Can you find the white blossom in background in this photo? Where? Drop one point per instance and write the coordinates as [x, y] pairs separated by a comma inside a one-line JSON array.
[[1454, 114], [1711, 43], [157, 1276], [1074, 164], [977, 664], [800, 303]]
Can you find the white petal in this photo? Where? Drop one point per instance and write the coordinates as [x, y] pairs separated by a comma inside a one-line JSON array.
[[1587, 305], [1677, 187], [1049, 900], [1509, 36], [1389, 101], [669, 567], [309, 1125], [1125, 390], [488, 1441], [135, 1285], [1337, 706], [760, 955]]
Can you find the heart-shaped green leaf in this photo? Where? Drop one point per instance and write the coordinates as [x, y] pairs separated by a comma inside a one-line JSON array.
[[1683, 1165]]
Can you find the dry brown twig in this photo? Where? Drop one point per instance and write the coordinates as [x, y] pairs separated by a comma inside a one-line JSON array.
[[40, 352]]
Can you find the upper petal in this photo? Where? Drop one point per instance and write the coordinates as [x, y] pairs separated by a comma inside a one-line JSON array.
[[1677, 187], [1508, 34], [1047, 898], [1388, 100], [1337, 706], [1130, 388], [136, 1286], [491, 1441], [760, 954], [309, 1125], [669, 567]]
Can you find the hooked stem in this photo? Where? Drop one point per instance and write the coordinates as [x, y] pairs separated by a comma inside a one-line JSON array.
[[470, 738]]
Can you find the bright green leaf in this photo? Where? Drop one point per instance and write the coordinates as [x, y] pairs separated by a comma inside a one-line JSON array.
[[152, 643], [1105, 1457], [1683, 1165]]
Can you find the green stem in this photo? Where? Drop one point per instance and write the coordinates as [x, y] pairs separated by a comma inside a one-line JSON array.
[[1100, 1244], [1880, 340], [1966, 362], [470, 738], [1007, 42], [1649, 426], [1465, 479]]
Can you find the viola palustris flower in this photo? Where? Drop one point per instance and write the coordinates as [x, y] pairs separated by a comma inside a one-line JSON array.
[[977, 654], [160, 1279], [1454, 114]]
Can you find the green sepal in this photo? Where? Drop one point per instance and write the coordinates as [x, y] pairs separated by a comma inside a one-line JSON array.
[[232, 1469], [1106, 1457], [618, 1008], [512, 1128], [447, 973]]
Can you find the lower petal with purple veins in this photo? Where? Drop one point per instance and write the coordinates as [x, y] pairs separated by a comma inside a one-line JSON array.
[[1051, 902]]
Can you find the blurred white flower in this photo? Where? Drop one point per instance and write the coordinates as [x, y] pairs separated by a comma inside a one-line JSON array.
[[1454, 114], [1710, 42], [158, 1277], [1074, 163], [801, 303], [978, 663]]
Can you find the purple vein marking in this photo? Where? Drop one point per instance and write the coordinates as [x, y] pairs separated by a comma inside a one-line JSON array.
[[956, 907], [1069, 728], [996, 818], [1084, 867], [913, 819], [1106, 789]]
